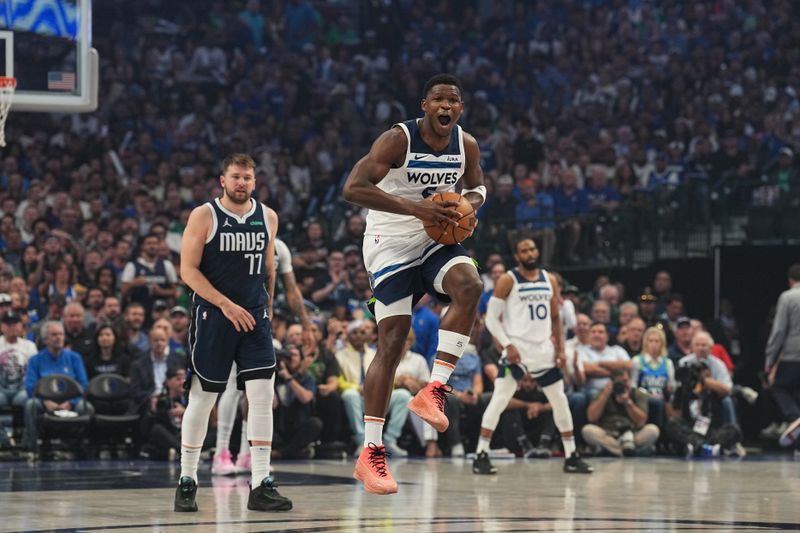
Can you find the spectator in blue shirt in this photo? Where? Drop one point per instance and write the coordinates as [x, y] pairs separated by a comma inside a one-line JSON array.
[[570, 204], [425, 323], [467, 386], [536, 217], [53, 359]]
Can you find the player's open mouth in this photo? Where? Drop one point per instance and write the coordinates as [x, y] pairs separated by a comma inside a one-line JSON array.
[[444, 120]]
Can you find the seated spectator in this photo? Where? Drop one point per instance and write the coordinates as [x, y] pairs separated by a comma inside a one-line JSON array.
[[179, 340], [134, 322], [15, 352], [109, 354], [296, 429], [413, 374], [500, 208], [354, 360], [673, 310], [654, 373], [683, 340], [600, 360], [332, 288], [570, 204], [79, 337], [536, 217], [630, 336], [696, 425], [719, 380], [53, 359], [497, 270], [618, 418], [149, 372], [647, 310], [161, 427], [323, 367], [465, 402], [601, 312], [627, 312]]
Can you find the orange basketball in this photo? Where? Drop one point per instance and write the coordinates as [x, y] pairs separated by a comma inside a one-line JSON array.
[[448, 233]]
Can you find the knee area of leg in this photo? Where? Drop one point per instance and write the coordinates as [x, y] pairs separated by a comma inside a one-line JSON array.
[[469, 290]]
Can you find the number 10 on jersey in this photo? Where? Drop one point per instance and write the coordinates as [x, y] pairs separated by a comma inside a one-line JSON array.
[[538, 311]]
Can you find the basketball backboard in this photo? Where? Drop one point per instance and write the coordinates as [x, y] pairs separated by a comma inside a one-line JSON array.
[[46, 45]]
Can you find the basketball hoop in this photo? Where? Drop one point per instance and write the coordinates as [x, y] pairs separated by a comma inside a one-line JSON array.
[[7, 87]]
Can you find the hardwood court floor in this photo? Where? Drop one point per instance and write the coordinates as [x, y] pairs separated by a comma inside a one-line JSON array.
[[661, 494]]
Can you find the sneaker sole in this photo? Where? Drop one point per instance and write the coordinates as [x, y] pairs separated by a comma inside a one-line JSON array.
[[423, 412], [479, 473], [277, 508], [790, 435], [186, 509], [371, 488]]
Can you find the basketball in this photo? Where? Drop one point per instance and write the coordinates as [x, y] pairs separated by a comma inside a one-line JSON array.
[[448, 233]]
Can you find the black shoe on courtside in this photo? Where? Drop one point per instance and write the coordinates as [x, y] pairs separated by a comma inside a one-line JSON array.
[[575, 465], [184, 496], [265, 497], [482, 465]]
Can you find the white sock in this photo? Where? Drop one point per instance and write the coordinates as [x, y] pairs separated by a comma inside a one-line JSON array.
[[260, 464], [244, 445], [569, 445], [373, 430], [190, 458], [441, 371], [483, 444]]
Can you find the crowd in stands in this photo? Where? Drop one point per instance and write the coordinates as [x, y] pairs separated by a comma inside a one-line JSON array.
[[587, 114]]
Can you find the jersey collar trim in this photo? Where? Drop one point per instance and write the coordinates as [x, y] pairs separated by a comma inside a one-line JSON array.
[[233, 215]]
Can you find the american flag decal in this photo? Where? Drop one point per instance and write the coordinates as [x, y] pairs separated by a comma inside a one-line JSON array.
[[61, 81]]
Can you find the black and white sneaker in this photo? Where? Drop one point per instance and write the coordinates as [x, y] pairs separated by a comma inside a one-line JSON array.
[[265, 497], [575, 465], [185, 495], [482, 465]]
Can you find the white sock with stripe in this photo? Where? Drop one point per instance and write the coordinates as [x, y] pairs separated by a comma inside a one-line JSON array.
[[441, 371], [373, 430]]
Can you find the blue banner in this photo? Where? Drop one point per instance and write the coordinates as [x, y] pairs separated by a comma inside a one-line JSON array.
[[57, 18]]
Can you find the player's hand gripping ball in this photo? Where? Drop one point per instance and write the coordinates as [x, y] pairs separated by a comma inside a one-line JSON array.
[[446, 233]]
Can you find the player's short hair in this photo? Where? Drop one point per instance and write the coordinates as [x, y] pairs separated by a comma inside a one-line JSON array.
[[242, 160], [442, 79], [522, 238], [794, 272]]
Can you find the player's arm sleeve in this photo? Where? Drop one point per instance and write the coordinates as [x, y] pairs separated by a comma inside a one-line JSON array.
[[284, 257], [128, 273], [494, 312], [778, 333], [172, 276]]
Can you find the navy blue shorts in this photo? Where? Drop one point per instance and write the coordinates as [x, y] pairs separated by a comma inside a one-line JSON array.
[[214, 345], [419, 279], [518, 371]]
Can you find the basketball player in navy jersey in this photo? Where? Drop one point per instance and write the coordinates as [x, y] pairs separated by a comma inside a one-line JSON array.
[[523, 316], [408, 163], [228, 260]]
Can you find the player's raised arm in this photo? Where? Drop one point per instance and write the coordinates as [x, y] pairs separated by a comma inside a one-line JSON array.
[[388, 151], [197, 230], [474, 189], [272, 220]]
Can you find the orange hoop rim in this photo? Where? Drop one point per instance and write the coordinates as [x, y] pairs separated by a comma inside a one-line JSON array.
[[6, 81]]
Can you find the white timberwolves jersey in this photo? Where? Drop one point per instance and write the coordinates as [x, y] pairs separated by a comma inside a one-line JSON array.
[[423, 174], [527, 313]]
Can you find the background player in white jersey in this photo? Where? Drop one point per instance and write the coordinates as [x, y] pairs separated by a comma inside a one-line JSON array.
[[228, 260], [227, 407], [406, 164], [523, 316]]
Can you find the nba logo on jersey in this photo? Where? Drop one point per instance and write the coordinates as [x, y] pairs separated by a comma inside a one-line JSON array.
[[377, 239], [205, 315]]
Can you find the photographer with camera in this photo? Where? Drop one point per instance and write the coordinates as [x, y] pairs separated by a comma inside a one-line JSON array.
[[161, 425], [617, 418], [295, 428], [698, 424]]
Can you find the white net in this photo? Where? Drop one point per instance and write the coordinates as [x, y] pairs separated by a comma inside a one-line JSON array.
[[7, 87]]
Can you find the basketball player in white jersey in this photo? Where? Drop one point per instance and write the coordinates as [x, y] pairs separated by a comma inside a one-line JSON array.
[[524, 318], [228, 404], [408, 163]]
